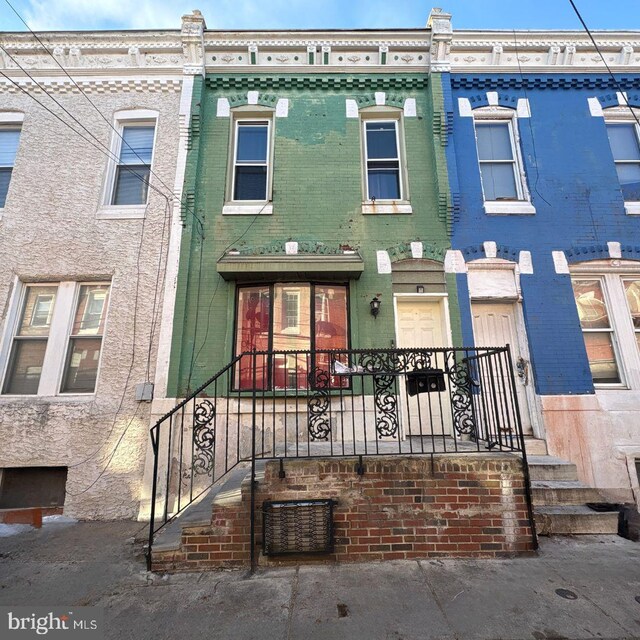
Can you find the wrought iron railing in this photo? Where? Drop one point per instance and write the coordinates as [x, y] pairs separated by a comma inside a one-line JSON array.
[[267, 405]]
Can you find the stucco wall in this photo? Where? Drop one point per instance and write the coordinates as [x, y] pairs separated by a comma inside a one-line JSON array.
[[49, 231]]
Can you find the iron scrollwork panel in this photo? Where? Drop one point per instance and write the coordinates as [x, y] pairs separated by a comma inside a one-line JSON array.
[[386, 406], [203, 437], [319, 424], [460, 390]]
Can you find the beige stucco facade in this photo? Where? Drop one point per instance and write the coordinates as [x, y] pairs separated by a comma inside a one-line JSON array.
[[55, 228]]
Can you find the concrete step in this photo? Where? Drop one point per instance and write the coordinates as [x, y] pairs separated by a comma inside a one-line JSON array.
[[535, 446], [562, 492], [550, 468], [574, 520], [198, 513]]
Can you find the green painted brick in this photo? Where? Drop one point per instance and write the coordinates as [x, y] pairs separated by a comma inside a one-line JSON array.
[[317, 196]]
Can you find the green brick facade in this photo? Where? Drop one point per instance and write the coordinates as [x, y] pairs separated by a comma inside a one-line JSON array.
[[317, 202]]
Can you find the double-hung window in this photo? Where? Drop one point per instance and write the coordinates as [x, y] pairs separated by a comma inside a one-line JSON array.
[[501, 169], [85, 340], [30, 340], [624, 138], [597, 330], [498, 167], [382, 158], [632, 294], [57, 339], [9, 139], [251, 161], [608, 303], [133, 170]]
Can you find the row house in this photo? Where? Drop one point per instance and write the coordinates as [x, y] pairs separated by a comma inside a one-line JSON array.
[[544, 166], [348, 279], [92, 148]]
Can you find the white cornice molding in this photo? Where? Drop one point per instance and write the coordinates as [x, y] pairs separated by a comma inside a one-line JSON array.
[[437, 48], [543, 51], [95, 85]]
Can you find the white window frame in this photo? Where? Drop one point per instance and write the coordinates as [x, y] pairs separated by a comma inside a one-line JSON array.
[[523, 205], [621, 115], [122, 119], [403, 204], [12, 120], [250, 207], [612, 275], [295, 328], [58, 341]]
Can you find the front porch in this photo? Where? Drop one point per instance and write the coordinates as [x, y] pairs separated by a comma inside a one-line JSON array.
[[426, 442]]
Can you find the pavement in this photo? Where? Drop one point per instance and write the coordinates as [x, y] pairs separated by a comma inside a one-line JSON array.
[[585, 587]]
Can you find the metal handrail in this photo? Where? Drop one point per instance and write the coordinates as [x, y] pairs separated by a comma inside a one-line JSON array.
[[278, 405]]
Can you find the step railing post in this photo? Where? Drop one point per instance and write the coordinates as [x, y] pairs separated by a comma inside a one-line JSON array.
[[253, 464], [154, 487], [525, 463]]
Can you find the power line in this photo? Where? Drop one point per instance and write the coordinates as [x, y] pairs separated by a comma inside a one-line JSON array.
[[533, 139], [98, 110], [108, 153], [111, 157], [213, 295], [615, 80]]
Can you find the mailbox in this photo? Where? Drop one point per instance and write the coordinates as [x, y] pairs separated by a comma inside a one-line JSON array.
[[425, 381]]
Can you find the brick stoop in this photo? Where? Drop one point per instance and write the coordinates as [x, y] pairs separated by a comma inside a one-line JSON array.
[[401, 508]]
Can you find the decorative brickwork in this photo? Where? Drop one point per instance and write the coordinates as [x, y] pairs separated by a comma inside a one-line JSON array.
[[401, 508]]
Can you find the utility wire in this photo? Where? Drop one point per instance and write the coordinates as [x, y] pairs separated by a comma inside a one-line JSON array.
[[97, 144], [213, 295], [533, 139], [35, 35], [105, 150], [611, 74], [109, 155]]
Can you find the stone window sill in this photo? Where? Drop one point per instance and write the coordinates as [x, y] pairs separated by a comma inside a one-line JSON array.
[[35, 399], [265, 209], [509, 207], [632, 208], [124, 212], [395, 207]]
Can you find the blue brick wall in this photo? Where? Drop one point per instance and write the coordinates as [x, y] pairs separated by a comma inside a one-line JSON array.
[[579, 206]]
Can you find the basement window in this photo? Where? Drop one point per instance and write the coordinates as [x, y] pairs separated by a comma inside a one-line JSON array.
[[24, 487]]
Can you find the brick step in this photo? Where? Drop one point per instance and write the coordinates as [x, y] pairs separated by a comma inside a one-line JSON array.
[[574, 520], [550, 468], [562, 492]]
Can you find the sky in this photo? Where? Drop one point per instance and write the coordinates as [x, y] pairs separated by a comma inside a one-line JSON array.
[[321, 14]]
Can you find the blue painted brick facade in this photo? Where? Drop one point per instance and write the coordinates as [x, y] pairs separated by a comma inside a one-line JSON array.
[[574, 188]]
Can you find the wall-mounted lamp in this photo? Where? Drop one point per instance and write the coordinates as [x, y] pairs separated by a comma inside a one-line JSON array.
[[375, 306], [419, 289]]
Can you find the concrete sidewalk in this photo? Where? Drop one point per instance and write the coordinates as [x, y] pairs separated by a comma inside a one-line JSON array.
[[97, 564]]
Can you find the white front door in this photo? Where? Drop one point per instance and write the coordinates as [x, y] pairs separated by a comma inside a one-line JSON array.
[[421, 323], [494, 325]]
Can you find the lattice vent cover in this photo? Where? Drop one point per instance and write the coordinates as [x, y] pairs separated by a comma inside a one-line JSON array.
[[297, 526]]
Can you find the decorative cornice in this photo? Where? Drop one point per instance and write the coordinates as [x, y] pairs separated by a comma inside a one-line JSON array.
[[482, 82], [403, 251], [543, 51], [356, 84], [278, 247], [94, 85]]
